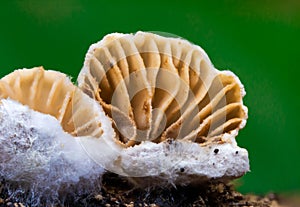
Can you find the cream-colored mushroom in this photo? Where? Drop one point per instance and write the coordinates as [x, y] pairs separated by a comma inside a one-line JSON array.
[[155, 88], [51, 92], [170, 107]]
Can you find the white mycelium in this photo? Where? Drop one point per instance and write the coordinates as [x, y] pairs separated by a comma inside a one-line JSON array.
[[39, 158]]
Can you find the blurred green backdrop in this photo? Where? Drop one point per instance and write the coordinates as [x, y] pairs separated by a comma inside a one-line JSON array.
[[258, 40]]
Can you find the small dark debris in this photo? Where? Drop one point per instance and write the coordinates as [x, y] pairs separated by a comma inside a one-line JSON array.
[[216, 151], [170, 141]]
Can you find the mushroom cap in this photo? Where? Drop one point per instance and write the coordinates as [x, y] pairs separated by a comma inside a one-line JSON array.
[[51, 92], [170, 109], [157, 88]]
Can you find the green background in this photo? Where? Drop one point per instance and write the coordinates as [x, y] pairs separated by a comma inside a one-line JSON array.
[[258, 40]]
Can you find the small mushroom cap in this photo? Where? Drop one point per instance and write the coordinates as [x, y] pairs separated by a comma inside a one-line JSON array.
[[51, 92]]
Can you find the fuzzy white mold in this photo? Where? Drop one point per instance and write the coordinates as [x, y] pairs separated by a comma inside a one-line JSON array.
[[40, 157]]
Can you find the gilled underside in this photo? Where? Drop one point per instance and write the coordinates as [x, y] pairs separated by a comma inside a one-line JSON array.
[[156, 88], [53, 93]]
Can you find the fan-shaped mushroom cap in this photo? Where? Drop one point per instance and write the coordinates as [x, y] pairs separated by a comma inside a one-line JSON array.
[[52, 92], [158, 89], [155, 88]]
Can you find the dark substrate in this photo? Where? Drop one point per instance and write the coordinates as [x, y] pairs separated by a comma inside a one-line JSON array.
[[119, 192]]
